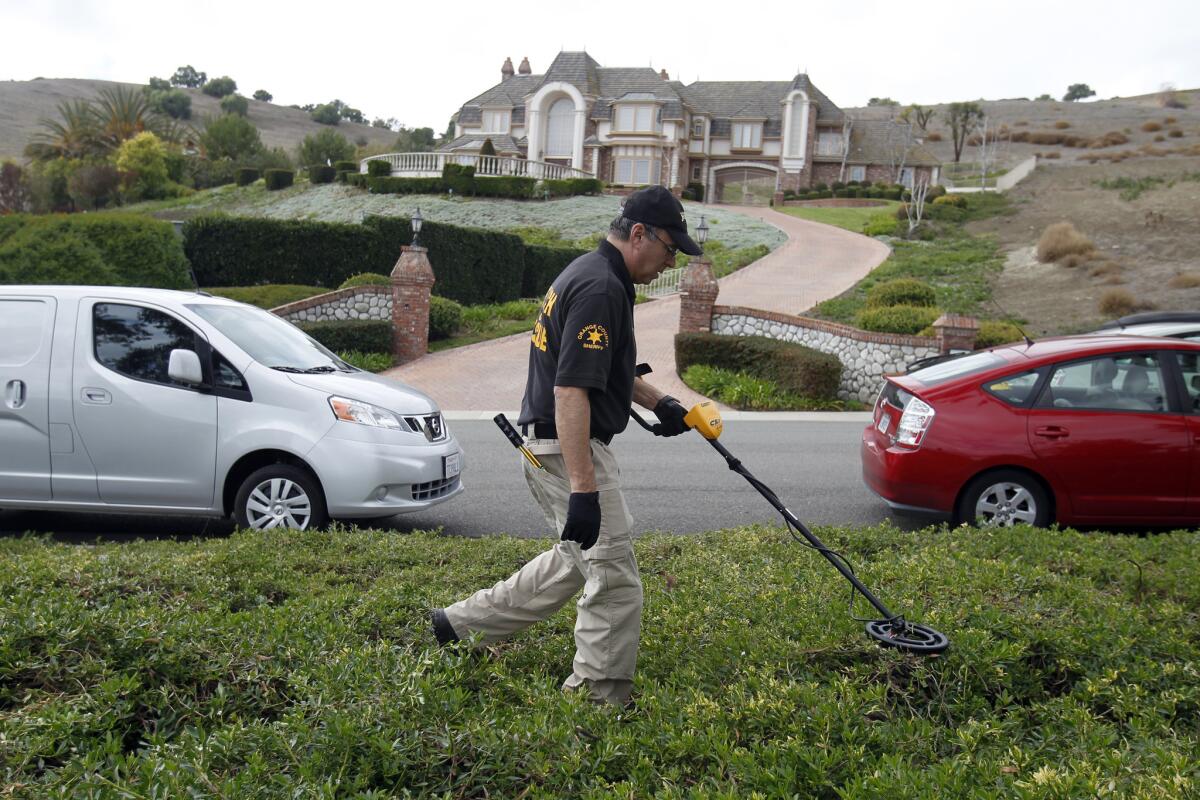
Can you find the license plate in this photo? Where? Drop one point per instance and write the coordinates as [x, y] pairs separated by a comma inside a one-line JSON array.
[[451, 465], [884, 422]]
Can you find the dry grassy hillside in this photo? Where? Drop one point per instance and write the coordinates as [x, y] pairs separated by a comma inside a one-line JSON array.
[[24, 103]]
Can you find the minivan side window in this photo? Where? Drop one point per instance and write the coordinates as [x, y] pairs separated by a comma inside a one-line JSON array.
[[137, 342], [226, 375], [23, 326]]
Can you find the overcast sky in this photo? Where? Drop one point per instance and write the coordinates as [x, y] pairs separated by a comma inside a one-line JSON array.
[[420, 62]]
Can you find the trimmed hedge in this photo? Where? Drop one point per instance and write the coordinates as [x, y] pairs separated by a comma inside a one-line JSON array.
[[572, 186], [792, 367], [472, 266], [377, 168], [901, 292], [246, 176], [445, 317], [319, 173], [365, 336], [346, 166], [459, 178], [279, 179], [385, 185], [116, 249], [510, 186], [909, 320], [366, 279]]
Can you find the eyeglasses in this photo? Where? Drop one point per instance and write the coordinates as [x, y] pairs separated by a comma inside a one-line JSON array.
[[672, 250]]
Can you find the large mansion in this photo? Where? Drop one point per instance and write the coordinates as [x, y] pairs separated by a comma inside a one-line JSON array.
[[634, 126]]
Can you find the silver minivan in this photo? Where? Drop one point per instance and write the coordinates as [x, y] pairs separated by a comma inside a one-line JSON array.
[[157, 401]]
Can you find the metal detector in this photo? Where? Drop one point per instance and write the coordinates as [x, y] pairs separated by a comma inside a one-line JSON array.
[[892, 630]]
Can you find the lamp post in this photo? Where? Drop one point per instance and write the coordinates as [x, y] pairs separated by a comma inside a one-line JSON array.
[[701, 232], [417, 222]]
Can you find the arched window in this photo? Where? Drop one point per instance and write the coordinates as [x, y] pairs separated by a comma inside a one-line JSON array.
[[560, 128], [796, 132]]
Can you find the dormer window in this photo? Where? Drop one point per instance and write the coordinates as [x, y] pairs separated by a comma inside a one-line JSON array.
[[495, 121], [697, 127], [747, 136], [636, 119]]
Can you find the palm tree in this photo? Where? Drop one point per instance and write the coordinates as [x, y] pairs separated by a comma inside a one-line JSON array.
[[122, 114], [73, 135]]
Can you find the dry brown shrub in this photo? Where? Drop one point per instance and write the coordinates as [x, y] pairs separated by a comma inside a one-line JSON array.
[[1062, 124], [1175, 133], [1020, 136], [1150, 126], [1160, 138], [1169, 120], [1076, 141], [1113, 280], [1151, 150], [1021, 123], [1117, 303], [1113, 138], [1185, 280], [974, 140], [1072, 260], [1062, 239], [1051, 154], [934, 136], [1091, 158], [1044, 137], [1104, 270]]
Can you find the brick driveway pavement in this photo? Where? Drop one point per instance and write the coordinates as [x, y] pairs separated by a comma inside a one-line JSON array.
[[816, 263]]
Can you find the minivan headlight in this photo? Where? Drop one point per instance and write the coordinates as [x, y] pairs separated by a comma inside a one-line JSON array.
[[348, 410]]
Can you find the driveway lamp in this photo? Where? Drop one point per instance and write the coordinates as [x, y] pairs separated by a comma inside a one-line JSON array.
[[701, 232], [417, 222]]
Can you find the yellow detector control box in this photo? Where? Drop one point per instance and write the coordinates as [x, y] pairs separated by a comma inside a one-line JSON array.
[[705, 418]]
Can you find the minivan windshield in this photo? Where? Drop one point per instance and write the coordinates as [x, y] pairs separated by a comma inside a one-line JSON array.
[[269, 340]]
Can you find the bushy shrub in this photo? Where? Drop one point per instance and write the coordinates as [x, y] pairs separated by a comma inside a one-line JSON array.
[[326, 114], [1062, 239], [694, 191], [220, 87], [881, 225], [235, 104], [145, 160], [246, 176], [279, 179], [133, 250], [514, 187], [459, 178], [792, 367], [398, 185], [347, 166], [365, 336], [378, 168], [174, 103], [1062, 124], [94, 186], [319, 173], [67, 258], [325, 146], [445, 317], [1118, 303], [993, 332], [369, 362], [230, 136], [956, 200], [571, 187], [205, 174], [366, 279], [1151, 126], [901, 292], [746, 392], [897, 319]]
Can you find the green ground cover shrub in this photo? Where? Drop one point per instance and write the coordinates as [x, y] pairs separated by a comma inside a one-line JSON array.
[[901, 292], [490, 321], [748, 393], [370, 362], [366, 336], [852, 219], [897, 319], [98, 248], [726, 261], [300, 664], [366, 279], [445, 317], [794, 368], [994, 332], [267, 295]]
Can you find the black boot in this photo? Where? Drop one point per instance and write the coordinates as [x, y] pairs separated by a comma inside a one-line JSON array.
[[442, 629]]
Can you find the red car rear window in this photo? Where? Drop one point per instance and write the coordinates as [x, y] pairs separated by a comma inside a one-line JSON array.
[[957, 368]]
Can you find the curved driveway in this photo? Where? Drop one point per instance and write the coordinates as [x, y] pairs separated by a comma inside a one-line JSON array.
[[816, 263]]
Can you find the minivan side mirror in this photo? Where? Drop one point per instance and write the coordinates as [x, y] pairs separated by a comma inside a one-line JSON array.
[[184, 367]]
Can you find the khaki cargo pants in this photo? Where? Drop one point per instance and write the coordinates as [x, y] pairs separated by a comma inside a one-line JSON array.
[[609, 612]]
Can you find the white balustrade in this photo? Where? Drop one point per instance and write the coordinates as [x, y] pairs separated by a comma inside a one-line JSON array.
[[665, 284], [429, 165]]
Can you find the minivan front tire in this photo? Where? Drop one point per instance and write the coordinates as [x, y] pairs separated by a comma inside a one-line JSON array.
[[280, 496]]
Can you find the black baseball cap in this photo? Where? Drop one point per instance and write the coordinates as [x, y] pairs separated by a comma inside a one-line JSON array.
[[657, 207]]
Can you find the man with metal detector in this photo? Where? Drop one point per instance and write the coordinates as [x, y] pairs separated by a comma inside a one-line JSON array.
[[578, 392]]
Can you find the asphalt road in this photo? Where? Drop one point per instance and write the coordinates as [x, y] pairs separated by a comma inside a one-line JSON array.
[[677, 485]]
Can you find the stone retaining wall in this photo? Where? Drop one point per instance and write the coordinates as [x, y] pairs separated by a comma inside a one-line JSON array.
[[357, 303], [866, 357]]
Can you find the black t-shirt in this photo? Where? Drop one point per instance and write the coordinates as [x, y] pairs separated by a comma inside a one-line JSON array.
[[584, 337]]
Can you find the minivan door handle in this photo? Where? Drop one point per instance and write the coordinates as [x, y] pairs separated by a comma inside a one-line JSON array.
[[14, 394], [1052, 432], [96, 397]]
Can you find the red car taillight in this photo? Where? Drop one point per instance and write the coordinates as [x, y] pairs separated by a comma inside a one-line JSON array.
[[914, 423]]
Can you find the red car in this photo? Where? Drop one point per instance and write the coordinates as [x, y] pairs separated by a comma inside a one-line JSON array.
[[1080, 430]]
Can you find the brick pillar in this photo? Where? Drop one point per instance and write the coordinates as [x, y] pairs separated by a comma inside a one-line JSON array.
[[697, 294], [412, 280], [777, 200], [955, 332]]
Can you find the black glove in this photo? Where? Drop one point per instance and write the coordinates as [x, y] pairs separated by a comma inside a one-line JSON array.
[[583, 519], [670, 415]]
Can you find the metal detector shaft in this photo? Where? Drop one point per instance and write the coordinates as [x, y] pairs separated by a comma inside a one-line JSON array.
[[818, 545]]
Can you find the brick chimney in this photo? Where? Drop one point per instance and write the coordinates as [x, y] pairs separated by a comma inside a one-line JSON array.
[[506, 71], [524, 68], [663, 74]]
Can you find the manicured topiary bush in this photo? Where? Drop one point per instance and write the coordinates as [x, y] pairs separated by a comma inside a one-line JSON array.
[[445, 317], [246, 176], [792, 367], [365, 336], [897, 319], [347, 166], [901, 292], [366, 279], [320, 173], [279, 179], [515, 187], [460, 178], [378, 168], [388, 185]]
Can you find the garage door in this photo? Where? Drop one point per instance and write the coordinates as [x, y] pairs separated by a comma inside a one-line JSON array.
[[745, 186]]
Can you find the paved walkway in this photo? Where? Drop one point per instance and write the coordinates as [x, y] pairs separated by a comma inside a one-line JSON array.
[[816, 263]]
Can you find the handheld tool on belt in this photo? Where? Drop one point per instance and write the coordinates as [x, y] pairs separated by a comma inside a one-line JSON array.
[[892, 630], [518, 442]]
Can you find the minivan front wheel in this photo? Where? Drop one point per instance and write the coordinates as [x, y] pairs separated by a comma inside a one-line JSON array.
[[280, 496], [1004, 498]]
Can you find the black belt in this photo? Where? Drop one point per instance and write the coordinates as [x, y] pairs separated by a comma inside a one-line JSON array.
[[546, 430]]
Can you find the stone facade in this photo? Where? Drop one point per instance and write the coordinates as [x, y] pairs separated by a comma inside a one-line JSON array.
[[355, 303], [866, 357]]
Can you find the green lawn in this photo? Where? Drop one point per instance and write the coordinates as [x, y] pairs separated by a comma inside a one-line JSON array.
[[268, 296], [852, 219], [282, 664]]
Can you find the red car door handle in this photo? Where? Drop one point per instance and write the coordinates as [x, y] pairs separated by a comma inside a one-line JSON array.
[[1051, 432]]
